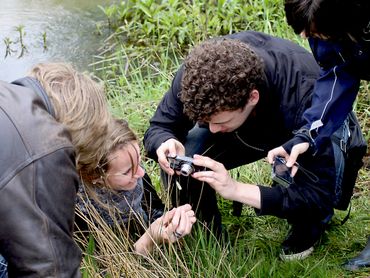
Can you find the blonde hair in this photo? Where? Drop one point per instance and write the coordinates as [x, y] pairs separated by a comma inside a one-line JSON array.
[[119, 136], [80, 104]]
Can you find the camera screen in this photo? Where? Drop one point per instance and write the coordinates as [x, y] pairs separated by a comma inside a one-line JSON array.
[[281, 173]]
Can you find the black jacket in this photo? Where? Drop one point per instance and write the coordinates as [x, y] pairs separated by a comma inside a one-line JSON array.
[[38, 182], [290, 75], [290, 72]]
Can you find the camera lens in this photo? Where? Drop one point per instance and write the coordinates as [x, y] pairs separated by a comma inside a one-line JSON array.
[[186, 169]]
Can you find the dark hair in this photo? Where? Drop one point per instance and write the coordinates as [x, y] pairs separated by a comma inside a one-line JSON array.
[[218, 76], [334, 19]]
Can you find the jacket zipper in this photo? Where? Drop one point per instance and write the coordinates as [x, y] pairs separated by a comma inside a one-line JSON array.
[[248, 145]]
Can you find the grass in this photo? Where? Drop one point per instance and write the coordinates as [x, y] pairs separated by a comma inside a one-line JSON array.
[[149, 40]]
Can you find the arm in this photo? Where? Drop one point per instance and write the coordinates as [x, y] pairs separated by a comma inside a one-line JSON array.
[[219, 179], [167, 228], [169, 121], [333, 97]]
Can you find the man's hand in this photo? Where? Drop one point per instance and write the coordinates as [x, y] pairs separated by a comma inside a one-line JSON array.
[[289, 158], [217, 176], [171, 147], [219, 179]]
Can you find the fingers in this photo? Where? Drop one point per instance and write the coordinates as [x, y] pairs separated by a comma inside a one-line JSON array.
[[279, 151], [290, 158], [167, 217], [183, 227], [181, 223], [171, 147], [294, 171], [176, 219], [162, 152], [173, 225], [187, 219], [206, 176], [206, 162], [185, 207], [296, 151]]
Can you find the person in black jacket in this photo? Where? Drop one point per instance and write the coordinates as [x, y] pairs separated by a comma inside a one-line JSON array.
[[53, 125], [234, 99]]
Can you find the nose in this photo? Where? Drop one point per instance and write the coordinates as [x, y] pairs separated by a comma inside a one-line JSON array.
[[214, 128], [139, 172]]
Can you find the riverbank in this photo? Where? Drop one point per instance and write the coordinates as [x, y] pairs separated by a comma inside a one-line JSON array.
[[39, 31]]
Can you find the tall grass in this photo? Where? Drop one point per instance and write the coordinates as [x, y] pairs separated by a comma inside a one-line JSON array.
[[148, 42]]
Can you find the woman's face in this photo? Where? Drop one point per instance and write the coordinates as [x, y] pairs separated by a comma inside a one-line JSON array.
[[124, 167]]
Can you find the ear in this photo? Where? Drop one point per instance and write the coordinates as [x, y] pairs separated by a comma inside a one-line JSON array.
[[254, 97], [98, 181]]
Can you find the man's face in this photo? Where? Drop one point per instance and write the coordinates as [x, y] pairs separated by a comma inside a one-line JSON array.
[[228, 121]]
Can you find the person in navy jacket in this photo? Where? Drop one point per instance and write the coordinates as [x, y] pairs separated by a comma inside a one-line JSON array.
[[338, 32]]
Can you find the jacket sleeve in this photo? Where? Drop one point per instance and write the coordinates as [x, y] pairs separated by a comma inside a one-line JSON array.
[[168, 121], [37, 210], [334, 94]]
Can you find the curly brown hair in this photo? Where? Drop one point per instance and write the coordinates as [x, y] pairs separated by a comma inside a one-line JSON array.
[[218, 76]]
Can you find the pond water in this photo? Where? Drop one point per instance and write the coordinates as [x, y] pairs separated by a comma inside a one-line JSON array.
[[53, 30]]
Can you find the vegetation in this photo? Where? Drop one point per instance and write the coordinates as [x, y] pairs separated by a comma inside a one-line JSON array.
[[8, 42], [148, 42]]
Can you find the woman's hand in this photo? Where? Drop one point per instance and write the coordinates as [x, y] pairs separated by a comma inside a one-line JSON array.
[[171, 147], [173, 225]]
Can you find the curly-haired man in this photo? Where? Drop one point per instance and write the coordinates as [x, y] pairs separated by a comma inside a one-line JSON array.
[[233, 99]]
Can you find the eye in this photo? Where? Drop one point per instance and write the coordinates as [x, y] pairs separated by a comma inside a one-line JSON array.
[[127, 172]]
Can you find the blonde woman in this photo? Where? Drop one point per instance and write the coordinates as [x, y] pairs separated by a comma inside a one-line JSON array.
[[117, 188], [53, 122]]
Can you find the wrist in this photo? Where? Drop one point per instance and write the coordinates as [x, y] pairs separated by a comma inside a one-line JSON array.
[[145, 243], [300, 136], [248, 194]]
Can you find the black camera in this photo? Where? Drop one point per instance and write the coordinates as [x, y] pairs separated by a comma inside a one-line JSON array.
[[183, 164], [281, 173]]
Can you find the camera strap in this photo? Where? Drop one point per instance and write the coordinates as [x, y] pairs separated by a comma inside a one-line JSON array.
[[310, 175]]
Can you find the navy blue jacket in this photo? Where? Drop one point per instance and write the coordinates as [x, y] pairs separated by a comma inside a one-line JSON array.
[[343, 64]]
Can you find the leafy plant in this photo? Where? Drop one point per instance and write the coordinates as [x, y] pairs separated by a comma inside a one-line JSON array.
[[8, 50], [21, 33]]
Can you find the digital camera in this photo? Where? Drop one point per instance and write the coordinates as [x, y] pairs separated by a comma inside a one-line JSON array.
[[183, 164], [281, 173]]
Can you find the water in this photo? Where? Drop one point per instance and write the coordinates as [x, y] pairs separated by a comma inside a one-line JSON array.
[[69, 25]]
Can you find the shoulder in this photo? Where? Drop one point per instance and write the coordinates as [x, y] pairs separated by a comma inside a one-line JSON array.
[[267, 42], [28, 132]]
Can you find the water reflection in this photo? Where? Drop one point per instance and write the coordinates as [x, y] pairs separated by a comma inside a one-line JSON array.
[[68, 28]]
